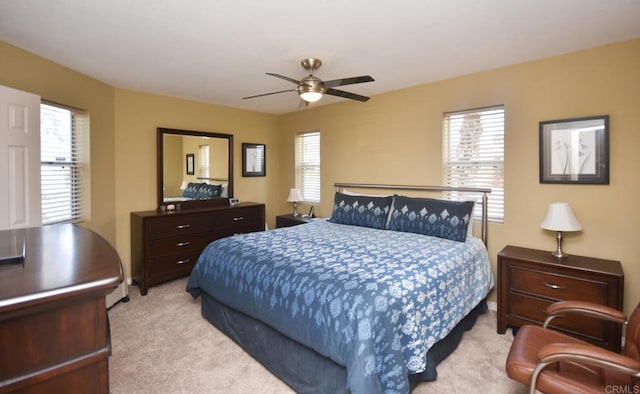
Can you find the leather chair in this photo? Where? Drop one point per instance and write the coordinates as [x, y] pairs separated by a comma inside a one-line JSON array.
[[552, 362]]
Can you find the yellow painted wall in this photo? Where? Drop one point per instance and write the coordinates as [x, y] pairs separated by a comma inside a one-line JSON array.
[[138, 115], [23, 70], [394, 138], [397, 138]]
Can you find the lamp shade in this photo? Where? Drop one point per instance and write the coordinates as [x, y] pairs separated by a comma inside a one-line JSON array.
[[294, 195], [560, 217]]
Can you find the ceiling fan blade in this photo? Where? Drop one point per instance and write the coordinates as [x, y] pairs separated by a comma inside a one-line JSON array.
[[342, 93], [347, 81], [283, 77], [268, 94]]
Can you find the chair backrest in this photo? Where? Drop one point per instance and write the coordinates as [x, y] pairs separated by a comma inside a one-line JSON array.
[[632, 337]]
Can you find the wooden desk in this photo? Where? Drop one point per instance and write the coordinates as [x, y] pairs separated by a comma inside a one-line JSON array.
[[54, 332]]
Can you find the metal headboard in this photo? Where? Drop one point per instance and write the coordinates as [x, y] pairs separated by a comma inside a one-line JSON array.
[[482, 191]]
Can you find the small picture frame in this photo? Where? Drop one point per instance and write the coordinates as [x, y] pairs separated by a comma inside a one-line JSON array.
[[254, 159], [191, 163], [575, 151]]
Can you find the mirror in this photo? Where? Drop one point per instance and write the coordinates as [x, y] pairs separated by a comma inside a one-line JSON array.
[[195, 168]]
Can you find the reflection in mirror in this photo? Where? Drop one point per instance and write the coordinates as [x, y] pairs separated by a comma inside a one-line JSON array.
[[194, 168]]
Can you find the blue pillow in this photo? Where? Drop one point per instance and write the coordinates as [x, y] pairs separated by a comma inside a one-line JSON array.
[[365, 211], [199, 191], [429, 216], [192, 190], [209, 191]]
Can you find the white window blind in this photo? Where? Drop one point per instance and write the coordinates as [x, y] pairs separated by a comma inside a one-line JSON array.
[[203, 161], [473, 143], [64, 152], [308, 166]]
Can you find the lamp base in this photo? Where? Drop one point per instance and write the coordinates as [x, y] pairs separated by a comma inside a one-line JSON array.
[[559, 254], [295, 209]]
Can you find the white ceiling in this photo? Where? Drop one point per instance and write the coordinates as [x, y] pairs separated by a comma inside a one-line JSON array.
[[218, 51]]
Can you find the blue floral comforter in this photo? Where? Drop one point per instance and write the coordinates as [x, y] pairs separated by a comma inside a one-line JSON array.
[[372, 300]]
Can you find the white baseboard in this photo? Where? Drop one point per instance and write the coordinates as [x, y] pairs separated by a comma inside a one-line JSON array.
[[492, 305]]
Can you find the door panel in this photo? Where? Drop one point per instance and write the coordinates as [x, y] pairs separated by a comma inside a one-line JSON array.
[[20, 159]]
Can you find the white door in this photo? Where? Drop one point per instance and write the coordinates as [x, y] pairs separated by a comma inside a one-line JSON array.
[[19, 159]]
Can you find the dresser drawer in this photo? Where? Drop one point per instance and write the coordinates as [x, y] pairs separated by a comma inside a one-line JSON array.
[[168, 266], [179, 225], [239, 217], [556, 286], [183, 244]]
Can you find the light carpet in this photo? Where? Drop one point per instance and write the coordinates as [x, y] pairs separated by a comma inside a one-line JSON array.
[[162, 344]]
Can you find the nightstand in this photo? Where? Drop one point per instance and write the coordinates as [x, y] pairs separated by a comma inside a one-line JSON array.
[[529, 280], [290, 220]]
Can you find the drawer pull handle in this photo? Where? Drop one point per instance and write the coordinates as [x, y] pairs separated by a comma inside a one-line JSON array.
[[182, 261], [555, 287], [181, 226], [238, 218], [183, 243]]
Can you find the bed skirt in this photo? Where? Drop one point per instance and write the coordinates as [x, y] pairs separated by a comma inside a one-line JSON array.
[[303, 369]]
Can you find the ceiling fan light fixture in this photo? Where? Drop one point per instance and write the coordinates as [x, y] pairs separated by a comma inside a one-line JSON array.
[[311, 96]]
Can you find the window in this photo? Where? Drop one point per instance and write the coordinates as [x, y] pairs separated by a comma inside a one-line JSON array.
[[473, 144], [308, 166], [64, 156], [203, 161]]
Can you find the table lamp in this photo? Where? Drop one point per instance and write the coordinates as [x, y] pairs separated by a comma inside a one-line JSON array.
[[295, 197], [560, 218]]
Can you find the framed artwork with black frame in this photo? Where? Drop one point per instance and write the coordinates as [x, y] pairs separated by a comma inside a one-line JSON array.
[[254, 159], [191, 158], [575, 151]]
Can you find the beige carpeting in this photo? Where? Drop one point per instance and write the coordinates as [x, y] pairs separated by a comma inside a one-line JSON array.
[[162, 344]]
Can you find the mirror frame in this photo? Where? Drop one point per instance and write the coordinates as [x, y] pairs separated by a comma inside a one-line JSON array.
[[193, 204]]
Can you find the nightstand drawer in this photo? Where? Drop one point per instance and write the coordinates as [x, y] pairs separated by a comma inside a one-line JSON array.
[[556, 286], [531, 310]]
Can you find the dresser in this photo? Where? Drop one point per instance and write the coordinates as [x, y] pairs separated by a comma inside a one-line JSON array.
[[166, 245], [54, 330], [530, 279]]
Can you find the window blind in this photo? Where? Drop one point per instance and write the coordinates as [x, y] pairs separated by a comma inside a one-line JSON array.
[[64, 156], [308, 165], [473, 143]]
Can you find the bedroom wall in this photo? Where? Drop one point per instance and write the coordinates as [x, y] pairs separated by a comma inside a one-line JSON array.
[[397, 138], [23, 70], [137, 117]]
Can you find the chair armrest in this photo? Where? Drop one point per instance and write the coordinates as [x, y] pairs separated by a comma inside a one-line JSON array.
[[562, 308], [590, 355]]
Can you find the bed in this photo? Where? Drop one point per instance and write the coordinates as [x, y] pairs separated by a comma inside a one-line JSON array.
[[365, 302]]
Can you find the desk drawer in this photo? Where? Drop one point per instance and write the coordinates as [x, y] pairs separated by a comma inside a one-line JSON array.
[[556, 286]]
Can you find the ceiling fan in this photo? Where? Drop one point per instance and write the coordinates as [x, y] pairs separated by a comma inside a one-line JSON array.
[[312, 88]]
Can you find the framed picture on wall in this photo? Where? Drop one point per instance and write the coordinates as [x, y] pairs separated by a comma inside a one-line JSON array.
[[575, 151], [190, 163], [254, 159]]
